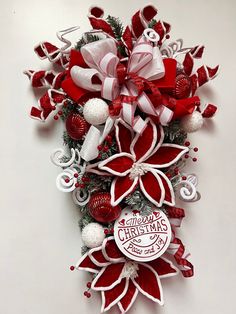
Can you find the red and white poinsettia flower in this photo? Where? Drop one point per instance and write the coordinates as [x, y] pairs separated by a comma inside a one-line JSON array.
[[120, 279], [141, 159]]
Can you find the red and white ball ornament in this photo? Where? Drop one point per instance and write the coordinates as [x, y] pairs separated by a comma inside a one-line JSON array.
[[76, 126], [100, 208], [182, 86]]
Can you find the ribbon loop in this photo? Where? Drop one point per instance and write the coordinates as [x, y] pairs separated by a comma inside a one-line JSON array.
[[127, 84]]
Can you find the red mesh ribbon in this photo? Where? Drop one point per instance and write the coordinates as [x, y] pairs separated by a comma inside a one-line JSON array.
[[47, 103], [177, 249], [209, 111], [45, 78], [46, 50]]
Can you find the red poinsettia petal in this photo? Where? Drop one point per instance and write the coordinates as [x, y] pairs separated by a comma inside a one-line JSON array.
[[152, 187], [166, 155], [169, 198], [113, 296], [163, 267], [120, 188], [124, 136], [128, 299], [148, 283], [143, 144], [110, 250], [118, 164], [97, 257], [108, 277], [86, 264]]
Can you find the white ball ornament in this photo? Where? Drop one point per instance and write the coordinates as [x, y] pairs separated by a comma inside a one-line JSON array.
[[93, 235], [192, 122], [96, 111]]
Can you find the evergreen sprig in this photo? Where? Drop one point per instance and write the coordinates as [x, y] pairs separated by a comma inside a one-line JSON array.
[[85, 40], [116, 26], [152, 23], [174, 133]]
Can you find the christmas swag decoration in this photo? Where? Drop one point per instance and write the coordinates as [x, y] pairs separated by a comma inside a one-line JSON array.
[[128, 98]]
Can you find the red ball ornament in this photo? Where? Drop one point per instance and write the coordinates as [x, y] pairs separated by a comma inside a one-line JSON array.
[[100, 208], [182, 86], [76, 126]]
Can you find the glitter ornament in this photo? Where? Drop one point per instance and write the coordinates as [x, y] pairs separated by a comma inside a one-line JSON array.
[[182, 86], [100, 208], [76, 126], [93, 235], [96, 111], [192, 122]]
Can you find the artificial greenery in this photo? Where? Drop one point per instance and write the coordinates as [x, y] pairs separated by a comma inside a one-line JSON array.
[[89, 38], [174, 133], [152, 23], [116, 26]]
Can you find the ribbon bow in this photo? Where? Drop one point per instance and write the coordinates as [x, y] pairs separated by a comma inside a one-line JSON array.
[[103, 75]]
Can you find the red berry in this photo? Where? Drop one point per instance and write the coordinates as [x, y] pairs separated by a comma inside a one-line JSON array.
[[72, 268], [105, 149], [184, 178], [60, 113], [111, 230], [88, 295], [108, 138], [99, 147], [56, 117], [67, 180], [187, 143], [53, 107], [167, 36], [77, 185], [168, 175], [82, 185], [194, 159], [85, 293], [195, 149], [89, 284], [76, 175], [106, 231]]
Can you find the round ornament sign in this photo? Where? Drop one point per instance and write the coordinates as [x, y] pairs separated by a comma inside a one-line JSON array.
[[142, 238]]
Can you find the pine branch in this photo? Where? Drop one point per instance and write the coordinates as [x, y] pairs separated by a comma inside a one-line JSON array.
[[174, 133], [116, 26], [152, 23], [85, 40], [70, 142]]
